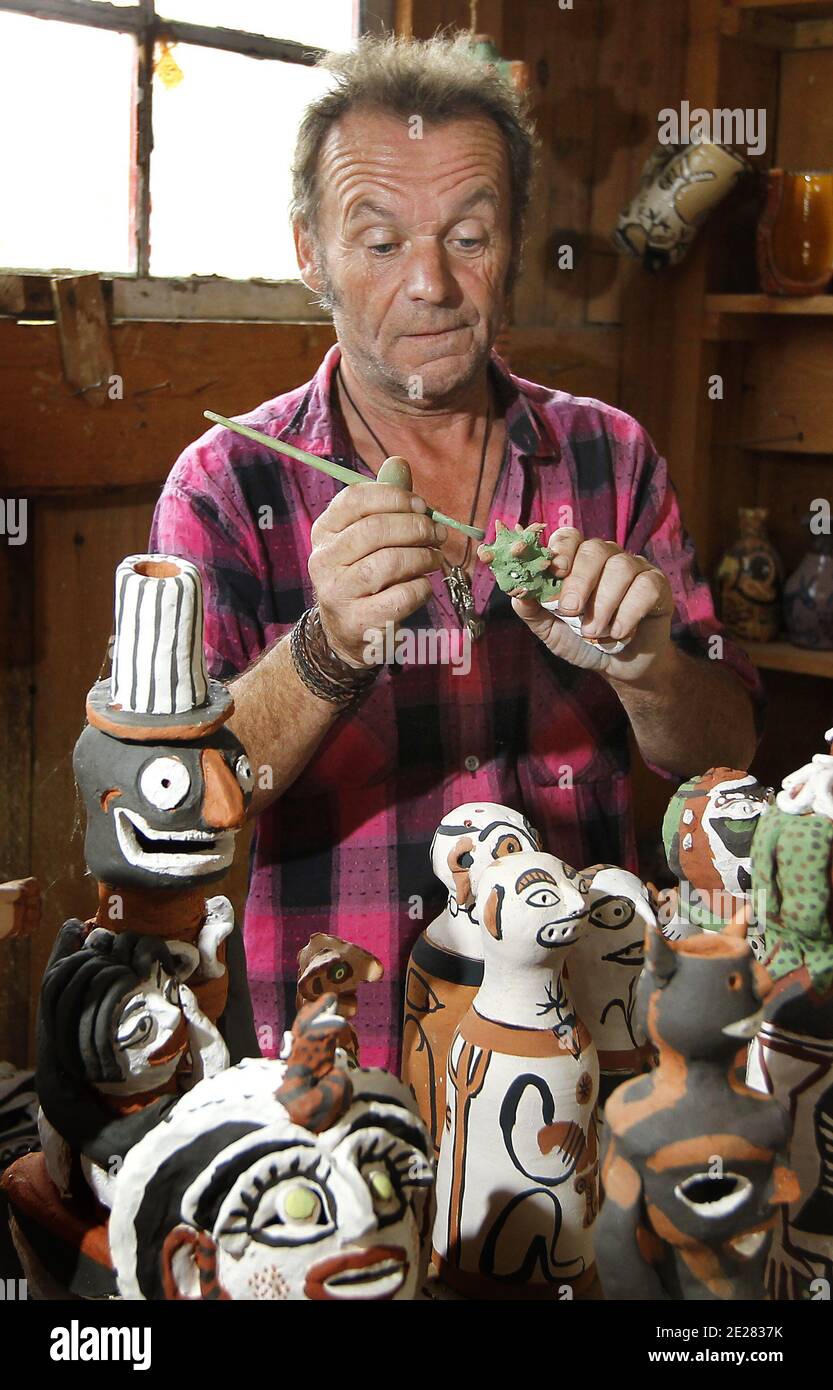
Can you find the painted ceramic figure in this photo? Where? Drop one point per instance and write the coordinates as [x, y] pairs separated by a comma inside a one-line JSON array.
[[517, 1173], [749, 581], [604, 968], [693, 1170], [792, 1058], [294, 1179], [708, 831], [522, 567], [679, 187], [150, 994], [328, 965], [446, 966], [808, 598]]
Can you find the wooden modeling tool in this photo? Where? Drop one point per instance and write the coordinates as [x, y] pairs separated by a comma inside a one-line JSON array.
[[335, 470]]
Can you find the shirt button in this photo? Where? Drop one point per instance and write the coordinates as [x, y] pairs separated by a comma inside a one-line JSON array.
[[472, 763]]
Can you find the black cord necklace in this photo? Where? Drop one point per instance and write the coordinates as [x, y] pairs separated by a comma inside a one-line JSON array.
[[456, 577]]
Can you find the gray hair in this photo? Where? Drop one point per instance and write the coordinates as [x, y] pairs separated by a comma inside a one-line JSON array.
[[439, 79]]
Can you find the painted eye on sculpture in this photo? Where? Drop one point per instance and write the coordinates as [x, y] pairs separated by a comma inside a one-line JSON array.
[[384, 1184], [137, 1030], [165, 783], [278, 1208], [543, 897], [243, 768], [612, 913], [734, 981], [507, 844], [516, 574]]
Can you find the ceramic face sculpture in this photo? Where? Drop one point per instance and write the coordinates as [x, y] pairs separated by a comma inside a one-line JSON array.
[[708, 832], [792, 1057], [293, 1179], [693, 1170], [120, 1038], [445, 968], [604, 968], [516, 1181]]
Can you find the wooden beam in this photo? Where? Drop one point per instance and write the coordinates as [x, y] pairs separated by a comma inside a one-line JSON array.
[[208, 300]]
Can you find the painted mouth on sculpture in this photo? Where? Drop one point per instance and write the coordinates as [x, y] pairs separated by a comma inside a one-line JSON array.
[[714, 1197], [632, 954], [183, 853], [376, 1273]]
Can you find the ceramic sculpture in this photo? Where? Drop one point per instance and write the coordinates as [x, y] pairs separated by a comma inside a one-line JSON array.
[[693, 1169], [792, 1058], [522, 568], [328, 965], [794, 243], [150, 995], [749, 581], [604, 968], [293, 1179], [808, 598], [446, 968], [708, 831], [517, 1173]]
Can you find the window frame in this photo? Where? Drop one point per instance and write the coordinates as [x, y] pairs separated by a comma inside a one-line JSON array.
[[138, 294]]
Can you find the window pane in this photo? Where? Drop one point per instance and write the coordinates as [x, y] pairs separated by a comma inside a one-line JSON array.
[[66, 98], [324, 23], [224, 136]]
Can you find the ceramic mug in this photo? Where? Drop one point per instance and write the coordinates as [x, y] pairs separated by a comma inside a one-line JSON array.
[[795, 233], [679, 187]]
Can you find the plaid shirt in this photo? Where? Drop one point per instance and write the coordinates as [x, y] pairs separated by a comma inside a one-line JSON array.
[[345, 849]]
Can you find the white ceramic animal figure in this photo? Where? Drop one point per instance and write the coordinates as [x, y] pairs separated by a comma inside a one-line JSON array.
[[517, 1175], [604, 967], [446, 967]]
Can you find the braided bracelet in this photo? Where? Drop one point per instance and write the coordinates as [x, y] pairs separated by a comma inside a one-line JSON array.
[[324, 673]]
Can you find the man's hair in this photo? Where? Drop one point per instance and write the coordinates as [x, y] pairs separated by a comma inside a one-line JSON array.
[[440, 79]]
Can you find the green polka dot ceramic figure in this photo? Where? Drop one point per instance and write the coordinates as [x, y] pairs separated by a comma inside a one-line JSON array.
[[792, 884]]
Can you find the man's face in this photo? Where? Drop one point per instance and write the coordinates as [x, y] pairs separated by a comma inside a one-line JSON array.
[[414, 244]]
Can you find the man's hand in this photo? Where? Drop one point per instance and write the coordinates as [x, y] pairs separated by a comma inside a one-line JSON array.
[[618, 596], [372, 550]]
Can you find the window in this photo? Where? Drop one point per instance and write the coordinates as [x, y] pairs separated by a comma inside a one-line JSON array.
[[205, 190]]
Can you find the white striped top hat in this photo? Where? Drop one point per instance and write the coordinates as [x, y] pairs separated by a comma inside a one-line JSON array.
[[158, 688]]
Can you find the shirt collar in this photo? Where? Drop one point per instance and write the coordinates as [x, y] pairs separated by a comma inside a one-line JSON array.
[[317, 424]]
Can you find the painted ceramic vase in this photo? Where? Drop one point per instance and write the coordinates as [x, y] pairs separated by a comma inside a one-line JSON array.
[[749, 581], [604, 967], [517, 1176], [446, 965], [708, 831], [297, 1179], [693, 1169], [792, 1058], [148, 997], [808, 598], [795, 233], [679, 187]]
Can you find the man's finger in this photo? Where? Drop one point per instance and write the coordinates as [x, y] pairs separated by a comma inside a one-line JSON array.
[[590, 559], [373, 533], [385, 569], [616, 579], [363, 499], [563, 543], [394, 604], [649, 596]]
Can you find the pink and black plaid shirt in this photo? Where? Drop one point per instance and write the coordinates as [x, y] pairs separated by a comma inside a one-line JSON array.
[[345, 849]]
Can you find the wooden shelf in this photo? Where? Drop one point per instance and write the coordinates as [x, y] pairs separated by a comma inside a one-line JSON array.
[[812, 305], [783, 656], [779, 24]]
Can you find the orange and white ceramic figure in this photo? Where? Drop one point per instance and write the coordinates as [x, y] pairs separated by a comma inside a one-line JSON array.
[[604, 969], [293, 1179], [517, 1174], [446, 967]]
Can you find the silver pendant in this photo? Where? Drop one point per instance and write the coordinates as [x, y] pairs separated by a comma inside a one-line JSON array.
[[462, 600]]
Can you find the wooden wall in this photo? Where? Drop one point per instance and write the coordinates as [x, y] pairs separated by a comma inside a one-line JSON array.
[[601, 72]]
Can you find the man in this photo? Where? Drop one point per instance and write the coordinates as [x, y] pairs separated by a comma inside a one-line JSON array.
[[411, 181]]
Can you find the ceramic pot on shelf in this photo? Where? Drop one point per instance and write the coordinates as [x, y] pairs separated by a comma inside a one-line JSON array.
[[795, 233], [808, 598], [749, 580]]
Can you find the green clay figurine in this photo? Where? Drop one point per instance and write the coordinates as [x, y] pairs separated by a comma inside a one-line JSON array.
[[520, 563]]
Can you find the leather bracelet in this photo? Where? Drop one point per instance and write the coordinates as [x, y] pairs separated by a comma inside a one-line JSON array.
[[324, 673]]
